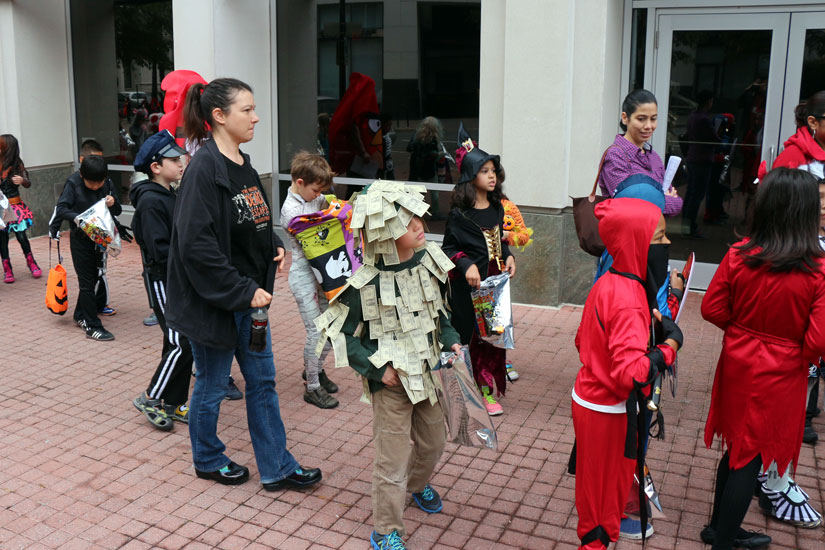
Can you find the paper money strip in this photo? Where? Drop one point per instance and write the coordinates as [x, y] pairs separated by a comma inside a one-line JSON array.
[[401, 308]]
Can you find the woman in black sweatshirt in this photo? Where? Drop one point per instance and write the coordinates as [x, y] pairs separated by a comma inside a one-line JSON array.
[[222, 261]]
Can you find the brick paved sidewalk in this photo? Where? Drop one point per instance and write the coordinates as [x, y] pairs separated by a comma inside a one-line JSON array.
[[81, 468]]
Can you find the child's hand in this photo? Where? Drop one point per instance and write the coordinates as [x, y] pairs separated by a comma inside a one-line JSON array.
[[110, 200], [672, 192], [279, 258], [17, 180], [510, 266], [473, 276], [390, 377], [261, 298], [506, 236], [677, 281]]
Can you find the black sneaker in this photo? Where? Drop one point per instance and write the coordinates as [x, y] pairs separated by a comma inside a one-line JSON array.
[[326, 383], [233, 393], [809, 435], [428, 500], [300, 478], [744, 539], [100, 334], [231, 474], [320, 398]]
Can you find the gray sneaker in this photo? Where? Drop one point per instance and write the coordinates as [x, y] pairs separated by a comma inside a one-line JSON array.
[[320, 398]]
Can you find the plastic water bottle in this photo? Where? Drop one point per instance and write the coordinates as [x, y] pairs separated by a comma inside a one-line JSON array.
[[257, 336]]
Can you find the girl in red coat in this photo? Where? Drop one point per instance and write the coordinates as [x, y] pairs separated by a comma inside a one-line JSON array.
[[780, 496], [768, 295], [617, 363]]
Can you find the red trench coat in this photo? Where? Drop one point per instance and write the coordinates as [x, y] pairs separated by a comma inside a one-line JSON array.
[[774, 327]]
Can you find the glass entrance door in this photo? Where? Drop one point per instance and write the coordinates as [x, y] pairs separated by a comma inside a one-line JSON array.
[[719, 80]]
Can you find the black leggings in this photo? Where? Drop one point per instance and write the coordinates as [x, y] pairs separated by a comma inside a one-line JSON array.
[[21, 238], [734, 491]]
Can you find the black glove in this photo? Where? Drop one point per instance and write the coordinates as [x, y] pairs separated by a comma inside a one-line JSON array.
[[671, 330], [124, 231]]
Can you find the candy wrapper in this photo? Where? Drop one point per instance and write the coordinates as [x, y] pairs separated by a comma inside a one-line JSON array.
[[494, 311], [468, 423], [97, 222]]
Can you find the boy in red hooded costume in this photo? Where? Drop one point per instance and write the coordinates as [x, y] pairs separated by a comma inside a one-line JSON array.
[[618, 363]]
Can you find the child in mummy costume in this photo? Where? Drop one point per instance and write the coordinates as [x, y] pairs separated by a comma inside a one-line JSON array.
[[390, 324]]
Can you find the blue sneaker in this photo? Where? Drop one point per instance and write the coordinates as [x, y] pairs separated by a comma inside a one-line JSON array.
[[233, 393], [632, 529], [428, 500], [107, 311], [393, 541]]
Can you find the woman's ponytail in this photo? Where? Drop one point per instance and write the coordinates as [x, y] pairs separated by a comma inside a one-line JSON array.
[[194, 124]]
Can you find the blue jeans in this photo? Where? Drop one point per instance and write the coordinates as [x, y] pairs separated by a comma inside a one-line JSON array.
[[263, 412]]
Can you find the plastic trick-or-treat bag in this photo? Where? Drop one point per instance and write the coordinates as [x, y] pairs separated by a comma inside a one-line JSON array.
[[468, 423], [97, 222], [494, 311], [6, 213]]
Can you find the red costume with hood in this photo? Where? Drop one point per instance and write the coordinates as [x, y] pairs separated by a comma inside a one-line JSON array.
[[800, 151], [774, 325], [614, 347]]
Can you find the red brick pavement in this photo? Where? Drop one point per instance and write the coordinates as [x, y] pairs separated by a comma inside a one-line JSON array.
[[80, 468]]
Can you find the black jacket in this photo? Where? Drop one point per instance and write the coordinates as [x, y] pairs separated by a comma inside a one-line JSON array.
[[152, 224], [203, 287], [462, 235], [77, 198]]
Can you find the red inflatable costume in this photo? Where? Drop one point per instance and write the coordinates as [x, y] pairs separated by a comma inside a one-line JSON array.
[[358, 107], [774, 327], [613, 342], [176, 85]]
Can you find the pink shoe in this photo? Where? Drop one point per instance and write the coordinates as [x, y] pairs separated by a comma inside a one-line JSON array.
[[493, 408], [9, 276], [36, 273]]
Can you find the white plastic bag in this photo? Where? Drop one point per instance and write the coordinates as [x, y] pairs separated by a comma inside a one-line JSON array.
[[467, 420], [99, 225]]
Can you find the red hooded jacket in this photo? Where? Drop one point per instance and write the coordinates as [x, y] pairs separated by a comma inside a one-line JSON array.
[[613, 337], [774, 327], [800, 150]]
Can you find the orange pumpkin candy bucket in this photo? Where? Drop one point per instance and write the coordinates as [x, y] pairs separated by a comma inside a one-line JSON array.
[[57, 295]]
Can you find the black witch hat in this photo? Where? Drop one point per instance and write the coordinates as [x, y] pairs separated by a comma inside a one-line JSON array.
[[474, 158]]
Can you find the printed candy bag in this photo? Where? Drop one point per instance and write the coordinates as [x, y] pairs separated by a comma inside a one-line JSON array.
[[465, 412], [328, 244], [494, 311], [97, 222]]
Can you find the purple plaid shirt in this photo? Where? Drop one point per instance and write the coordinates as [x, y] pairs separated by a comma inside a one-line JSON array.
[[624, 160]]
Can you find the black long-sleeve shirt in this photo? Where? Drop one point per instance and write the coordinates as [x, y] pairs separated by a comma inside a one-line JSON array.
[[77, 198]]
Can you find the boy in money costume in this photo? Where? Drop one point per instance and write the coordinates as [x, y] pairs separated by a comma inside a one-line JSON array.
[[390, 324]]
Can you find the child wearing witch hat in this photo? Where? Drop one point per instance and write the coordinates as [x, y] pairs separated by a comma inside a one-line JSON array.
[[472, 240]]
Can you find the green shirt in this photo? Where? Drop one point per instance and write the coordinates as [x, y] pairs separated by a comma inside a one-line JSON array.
[[360, 347]]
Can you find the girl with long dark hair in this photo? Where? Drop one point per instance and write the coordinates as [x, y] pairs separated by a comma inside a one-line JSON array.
[[472, 240], [768, 295], [13, 175], [222, 261]]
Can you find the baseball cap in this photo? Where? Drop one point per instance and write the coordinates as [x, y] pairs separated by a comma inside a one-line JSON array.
[[156, 147]]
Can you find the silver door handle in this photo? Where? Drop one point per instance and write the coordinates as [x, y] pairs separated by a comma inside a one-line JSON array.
[[771, 157]]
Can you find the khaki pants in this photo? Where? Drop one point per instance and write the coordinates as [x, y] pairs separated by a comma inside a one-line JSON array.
[[399, 466]]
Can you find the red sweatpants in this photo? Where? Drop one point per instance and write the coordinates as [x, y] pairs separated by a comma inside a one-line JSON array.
[[603, 474]]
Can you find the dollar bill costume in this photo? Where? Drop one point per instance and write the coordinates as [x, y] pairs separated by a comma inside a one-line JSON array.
[[393, 313]]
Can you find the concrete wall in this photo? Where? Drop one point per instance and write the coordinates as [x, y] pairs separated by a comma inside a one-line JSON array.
[[226, 38], [35, 104], [36, 100], [549, 103]]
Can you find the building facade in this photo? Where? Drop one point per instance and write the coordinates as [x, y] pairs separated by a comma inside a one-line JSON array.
[[538, 81]]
